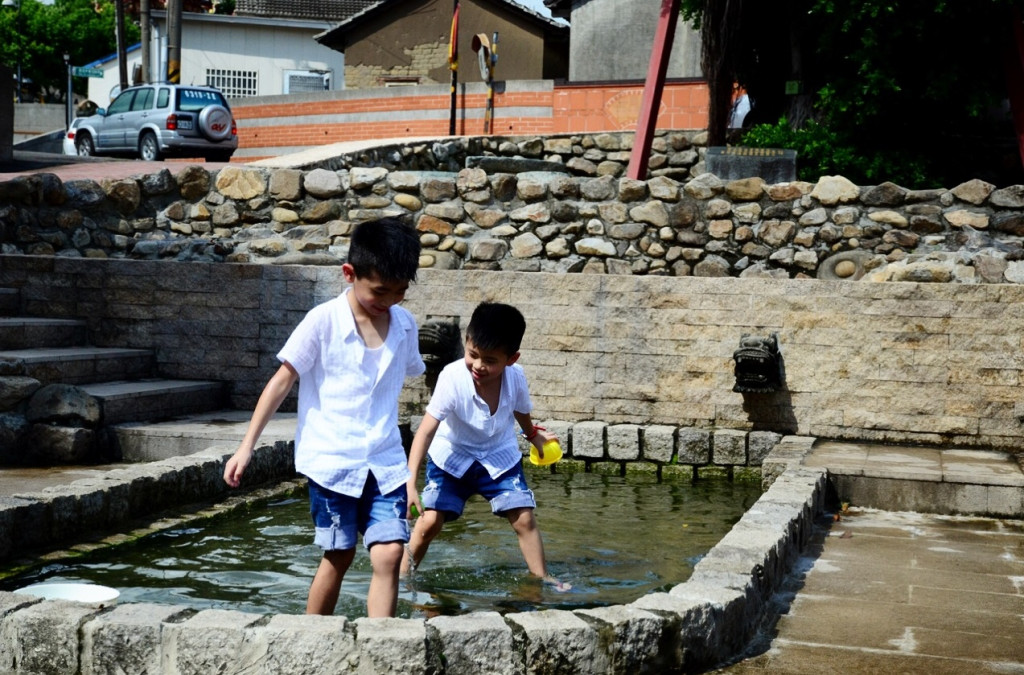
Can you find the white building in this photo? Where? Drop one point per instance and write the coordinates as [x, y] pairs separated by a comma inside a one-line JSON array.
[[240, 55]]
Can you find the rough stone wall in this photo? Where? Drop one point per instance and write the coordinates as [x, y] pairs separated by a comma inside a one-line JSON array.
[[899, 362], [554, 205], [420, 61]]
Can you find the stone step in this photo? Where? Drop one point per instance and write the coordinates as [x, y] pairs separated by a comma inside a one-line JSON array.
[[155, 399], [152, 441], [947, 481], [77, 365], [32, 332], [10, 299]]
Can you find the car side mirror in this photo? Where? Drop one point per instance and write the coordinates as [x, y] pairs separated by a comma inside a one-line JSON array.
[[101, 111]]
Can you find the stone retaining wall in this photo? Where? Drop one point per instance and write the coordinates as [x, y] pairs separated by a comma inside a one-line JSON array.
[[555, 204], [898, 362], [697, 624]]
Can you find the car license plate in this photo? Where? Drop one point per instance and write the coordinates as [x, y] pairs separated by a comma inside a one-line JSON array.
[[185, 124]]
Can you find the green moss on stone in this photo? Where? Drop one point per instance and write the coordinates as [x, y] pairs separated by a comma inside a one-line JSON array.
[[647, 468], [713, 472], [677, 472], [606, 468]]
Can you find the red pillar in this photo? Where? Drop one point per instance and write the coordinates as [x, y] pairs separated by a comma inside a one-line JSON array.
[[660, 54]]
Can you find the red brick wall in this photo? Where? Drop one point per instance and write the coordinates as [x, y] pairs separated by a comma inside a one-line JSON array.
[[291, 123]]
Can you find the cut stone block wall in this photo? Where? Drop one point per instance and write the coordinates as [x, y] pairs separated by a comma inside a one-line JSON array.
[[894, 362]]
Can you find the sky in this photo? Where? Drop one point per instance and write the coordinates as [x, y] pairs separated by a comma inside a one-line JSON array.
[[537, 6]]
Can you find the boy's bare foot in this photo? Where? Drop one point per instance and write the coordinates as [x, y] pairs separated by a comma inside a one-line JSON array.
[[560, 586]]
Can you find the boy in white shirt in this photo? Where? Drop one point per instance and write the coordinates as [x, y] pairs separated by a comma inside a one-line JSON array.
[[351, 356], [469, 429]]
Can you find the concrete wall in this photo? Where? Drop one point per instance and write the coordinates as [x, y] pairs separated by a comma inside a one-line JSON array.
[[899, 361], [630, 27], [269, 47], [34, 119]]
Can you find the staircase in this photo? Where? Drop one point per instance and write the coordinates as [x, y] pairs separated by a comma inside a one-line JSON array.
[[122, 381]]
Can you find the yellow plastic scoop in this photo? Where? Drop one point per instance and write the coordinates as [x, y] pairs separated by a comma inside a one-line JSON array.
[[552, 453]]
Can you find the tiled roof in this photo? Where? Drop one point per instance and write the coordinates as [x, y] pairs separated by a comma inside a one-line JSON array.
[[329, 10]]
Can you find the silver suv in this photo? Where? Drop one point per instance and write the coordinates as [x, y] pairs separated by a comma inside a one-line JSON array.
[[155, 121]]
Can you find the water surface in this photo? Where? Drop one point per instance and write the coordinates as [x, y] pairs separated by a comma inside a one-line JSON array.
[[613, 538]]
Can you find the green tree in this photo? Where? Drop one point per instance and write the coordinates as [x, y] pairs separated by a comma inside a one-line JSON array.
[[906, 90], [40, 35]]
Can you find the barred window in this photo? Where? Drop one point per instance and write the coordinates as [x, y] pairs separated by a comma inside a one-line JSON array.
[[234, 83]]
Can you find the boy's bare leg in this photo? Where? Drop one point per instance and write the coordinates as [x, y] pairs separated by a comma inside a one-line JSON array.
[[428, 526], [525, 526], [382, 598], [532, 546], [323, 592]]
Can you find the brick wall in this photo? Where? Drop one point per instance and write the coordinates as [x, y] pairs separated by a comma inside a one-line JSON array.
[[274, 125], [900, 362]]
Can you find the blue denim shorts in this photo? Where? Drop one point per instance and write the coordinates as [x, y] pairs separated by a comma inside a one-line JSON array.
[[338, 518], [444, 492]]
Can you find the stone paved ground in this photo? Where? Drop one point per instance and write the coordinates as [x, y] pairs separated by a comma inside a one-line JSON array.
[[900, 592]]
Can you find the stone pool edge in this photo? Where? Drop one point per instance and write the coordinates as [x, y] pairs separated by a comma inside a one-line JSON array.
[[697, 624]]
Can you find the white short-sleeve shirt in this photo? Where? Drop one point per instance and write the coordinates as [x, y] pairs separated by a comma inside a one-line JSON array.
[[468, 431], [348, 397]]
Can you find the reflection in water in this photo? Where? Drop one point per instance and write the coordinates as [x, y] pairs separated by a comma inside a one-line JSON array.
[[613, 538]]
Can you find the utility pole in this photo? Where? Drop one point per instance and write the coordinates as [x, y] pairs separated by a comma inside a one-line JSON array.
[[174, 41], [145, 37]]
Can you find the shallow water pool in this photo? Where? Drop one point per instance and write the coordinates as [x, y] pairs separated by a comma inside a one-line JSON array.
[[613, 538]]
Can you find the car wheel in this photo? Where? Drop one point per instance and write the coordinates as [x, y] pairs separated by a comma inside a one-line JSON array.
[[215, 123], [149, 149], [84, 145]]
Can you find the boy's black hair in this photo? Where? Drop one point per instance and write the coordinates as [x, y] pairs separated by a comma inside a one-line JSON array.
[[496, 326], [388, 247]]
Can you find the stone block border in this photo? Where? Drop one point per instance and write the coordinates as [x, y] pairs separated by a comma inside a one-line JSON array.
[[697, 624], [59, 514]]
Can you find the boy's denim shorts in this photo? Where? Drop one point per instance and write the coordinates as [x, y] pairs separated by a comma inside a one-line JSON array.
[[338, 518], [444, 492]]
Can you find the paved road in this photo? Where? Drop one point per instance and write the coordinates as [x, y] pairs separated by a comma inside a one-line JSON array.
[[96, 168]]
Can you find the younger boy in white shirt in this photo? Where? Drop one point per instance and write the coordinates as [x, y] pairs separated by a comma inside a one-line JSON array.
[[470, 431], [351, 356]]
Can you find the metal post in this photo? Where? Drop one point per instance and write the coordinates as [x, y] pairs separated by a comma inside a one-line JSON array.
[[492, 62], [651, 101], [453, 63], [68, 113]]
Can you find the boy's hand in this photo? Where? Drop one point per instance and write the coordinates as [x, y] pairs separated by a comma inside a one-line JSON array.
[[414, 508], [236, 466], [542, 436]]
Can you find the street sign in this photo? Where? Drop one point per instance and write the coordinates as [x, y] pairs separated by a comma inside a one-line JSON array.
[[82, 71]]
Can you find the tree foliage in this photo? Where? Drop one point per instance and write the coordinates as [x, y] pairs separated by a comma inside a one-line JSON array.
[[904, 90], [38, 35]]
